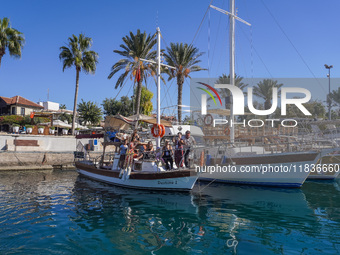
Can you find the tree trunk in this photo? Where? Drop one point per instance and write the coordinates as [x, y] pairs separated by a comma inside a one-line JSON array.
[[267, 104], [75, 101], [138, 96], [180, 81], [2, 53]]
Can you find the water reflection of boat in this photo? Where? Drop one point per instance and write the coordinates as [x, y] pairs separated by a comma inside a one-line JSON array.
[[324, 198], [145, 220], [328, 167], [171, 201], [251, 215], [281, 203]]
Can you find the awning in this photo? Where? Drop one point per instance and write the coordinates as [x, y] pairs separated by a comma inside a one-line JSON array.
[[149, 119], [62, 124], [120, 122], [224, 112]]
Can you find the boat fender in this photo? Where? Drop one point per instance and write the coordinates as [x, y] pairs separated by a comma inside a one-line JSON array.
[[208, 161], [125, 174], [202, 158], [128, 172], [121, 173]]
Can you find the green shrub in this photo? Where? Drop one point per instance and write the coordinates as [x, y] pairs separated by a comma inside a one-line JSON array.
[[11, 119]]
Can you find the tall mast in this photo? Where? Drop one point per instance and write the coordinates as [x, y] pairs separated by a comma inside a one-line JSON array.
[[159, 64], [158, 141], [232, 63], [232, 18]]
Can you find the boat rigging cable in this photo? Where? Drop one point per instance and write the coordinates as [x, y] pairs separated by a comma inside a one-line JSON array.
[[290, 41], [199, 27], [256, 52], [217, 34], [167, 88]]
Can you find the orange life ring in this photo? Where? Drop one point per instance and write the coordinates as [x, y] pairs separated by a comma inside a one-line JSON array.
[[227, 131], [158, 130], [153, 130], [206, 118], [162, 131]]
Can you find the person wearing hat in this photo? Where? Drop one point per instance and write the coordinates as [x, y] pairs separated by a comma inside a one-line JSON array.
[[189, 141]]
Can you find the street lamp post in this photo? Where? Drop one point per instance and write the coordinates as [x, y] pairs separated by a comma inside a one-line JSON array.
[[329, 90]]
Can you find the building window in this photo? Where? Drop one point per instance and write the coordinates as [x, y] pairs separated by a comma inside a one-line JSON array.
[[13, 110], [23, 111]]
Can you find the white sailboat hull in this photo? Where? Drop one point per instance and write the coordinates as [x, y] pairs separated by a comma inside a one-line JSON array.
[[279, 179], [176, 180], [281, 174]]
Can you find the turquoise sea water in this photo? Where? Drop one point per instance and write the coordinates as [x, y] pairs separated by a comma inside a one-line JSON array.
[[61, 213]]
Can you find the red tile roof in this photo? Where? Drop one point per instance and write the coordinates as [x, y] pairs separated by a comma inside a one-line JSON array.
[[18, 100]]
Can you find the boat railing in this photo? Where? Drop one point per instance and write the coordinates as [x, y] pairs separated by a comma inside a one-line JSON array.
[[269, 145]]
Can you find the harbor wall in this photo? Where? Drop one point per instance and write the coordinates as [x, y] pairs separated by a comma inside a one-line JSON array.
[[11, 160], [34, 152], [30, 143]]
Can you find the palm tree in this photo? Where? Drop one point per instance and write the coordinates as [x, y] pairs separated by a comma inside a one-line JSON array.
[[10, 39], [135, 47], [90, 112], [225, 93], [264, 90], [184, 58], [77, 54]]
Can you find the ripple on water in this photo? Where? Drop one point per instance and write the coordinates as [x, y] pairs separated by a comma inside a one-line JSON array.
[[57, 212]]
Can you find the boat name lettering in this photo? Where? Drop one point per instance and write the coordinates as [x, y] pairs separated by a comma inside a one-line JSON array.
[[167, 182]]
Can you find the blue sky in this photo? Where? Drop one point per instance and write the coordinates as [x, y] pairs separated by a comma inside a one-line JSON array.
[[310, 25]]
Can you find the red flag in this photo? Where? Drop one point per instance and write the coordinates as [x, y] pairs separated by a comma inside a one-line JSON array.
[[138, 74]]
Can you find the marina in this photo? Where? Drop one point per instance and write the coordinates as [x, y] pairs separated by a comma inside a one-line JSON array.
[[180, 140], [61, 212]]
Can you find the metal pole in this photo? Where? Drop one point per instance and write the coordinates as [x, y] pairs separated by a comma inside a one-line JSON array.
[[329, 94], [158, 140], [232, 63]]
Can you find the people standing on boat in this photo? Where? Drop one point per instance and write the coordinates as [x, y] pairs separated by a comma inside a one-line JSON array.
[[167, 156], [148, 150], [111, 135], [122, 152], [189, 141], [139, 152], [179, 150], [134, 135], [133, 143]]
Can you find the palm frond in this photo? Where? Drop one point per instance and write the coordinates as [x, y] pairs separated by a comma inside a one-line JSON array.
[[77, 53]]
